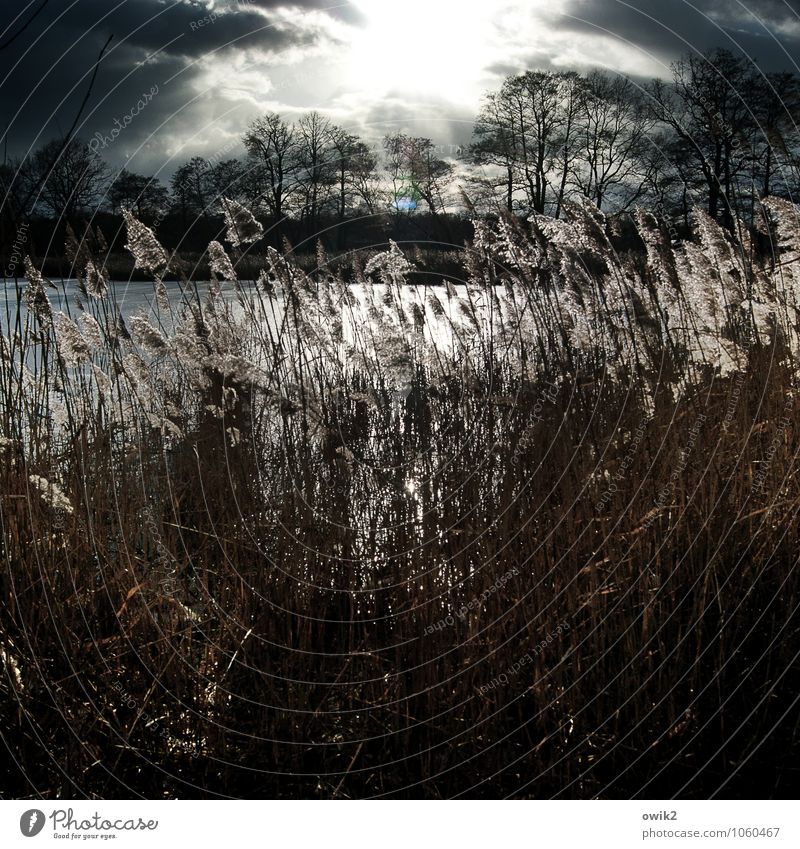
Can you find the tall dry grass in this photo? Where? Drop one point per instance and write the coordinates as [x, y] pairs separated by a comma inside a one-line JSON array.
[[534, 535]]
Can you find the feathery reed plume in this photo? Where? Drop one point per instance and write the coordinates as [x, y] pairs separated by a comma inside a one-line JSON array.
[[96, 280], [220, 262], [146, 335], [92, 332], [36, 296], [143, 244], [72, 346], [242, 226]]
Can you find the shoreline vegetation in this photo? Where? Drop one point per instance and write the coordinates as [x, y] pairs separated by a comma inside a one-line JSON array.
[[252, 517], [432, 265]]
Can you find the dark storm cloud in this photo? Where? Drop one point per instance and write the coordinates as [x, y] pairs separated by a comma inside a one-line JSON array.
[[156, 44], [183, 47], [668, 29]]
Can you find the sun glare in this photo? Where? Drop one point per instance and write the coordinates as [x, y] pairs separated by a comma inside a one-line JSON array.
[[420, 45]]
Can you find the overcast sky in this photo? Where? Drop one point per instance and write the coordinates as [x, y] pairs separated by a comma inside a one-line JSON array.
[[372, 65]]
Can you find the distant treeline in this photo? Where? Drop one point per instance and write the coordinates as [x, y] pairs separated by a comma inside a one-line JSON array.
[[441, 237], [719, 135]]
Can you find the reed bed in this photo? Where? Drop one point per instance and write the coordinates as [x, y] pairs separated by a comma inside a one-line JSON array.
[[530, 533]]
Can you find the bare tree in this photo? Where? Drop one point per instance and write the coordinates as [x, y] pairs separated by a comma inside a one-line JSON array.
[[356, 173], [273, 143], [776, 108], [316, 160], [22, 188], [707, 112], [613, 134], [227, 179], [191, 188], [572, 89], [534, 99], [144, 195], [397, 168], [14, 188], [65, 179], [494, 148], [412, 164], [253, 184]]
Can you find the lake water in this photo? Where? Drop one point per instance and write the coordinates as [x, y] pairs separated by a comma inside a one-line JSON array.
[[138, 297], [130, 296]]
